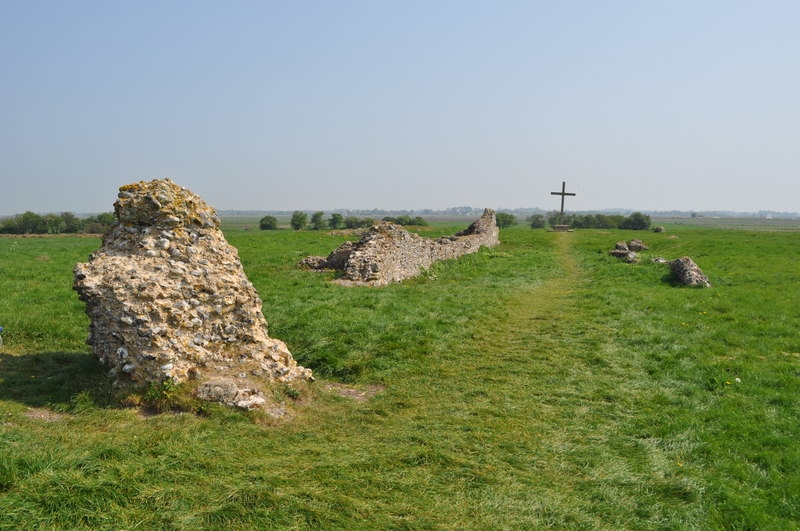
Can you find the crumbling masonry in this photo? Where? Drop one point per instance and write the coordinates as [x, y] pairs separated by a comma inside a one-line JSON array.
[[168, 299], [389, 253]]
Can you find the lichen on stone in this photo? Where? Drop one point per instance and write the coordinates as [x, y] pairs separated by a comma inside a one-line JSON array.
[[167, 298]]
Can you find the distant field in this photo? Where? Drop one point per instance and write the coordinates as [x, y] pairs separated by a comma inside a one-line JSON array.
[[746, 223], [251, 222], [539, 384]]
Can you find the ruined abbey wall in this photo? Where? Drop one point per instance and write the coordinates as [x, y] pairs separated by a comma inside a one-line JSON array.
[[388, 253]]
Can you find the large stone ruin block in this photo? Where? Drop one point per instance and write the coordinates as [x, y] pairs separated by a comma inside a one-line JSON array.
[[168, 299], [688, 272], [388, 253]]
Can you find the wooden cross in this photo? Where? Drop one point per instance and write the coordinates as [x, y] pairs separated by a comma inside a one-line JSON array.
[[562, 193]]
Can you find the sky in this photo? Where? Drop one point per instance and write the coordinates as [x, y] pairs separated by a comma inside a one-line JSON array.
[[402, 104]]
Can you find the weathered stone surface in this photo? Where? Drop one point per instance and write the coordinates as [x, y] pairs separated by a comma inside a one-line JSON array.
[[658, 229], [389, 253], [229, 393], [659, 260], [168, 299], [627, 251], [688, 272], [619, 253]]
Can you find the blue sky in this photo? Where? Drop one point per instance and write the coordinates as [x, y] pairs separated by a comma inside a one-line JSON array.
[[402, 104]]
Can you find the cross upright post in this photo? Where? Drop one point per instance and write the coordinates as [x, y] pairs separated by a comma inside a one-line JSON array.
[[562, 193]]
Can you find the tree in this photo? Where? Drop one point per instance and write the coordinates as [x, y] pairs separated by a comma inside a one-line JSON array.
[[504, 219], [336, 221], [53, 224], [94, 227], [352, 222], [71, 222], [106, 218], [407, 220], [299, 220], [554, 217], [268, 223], [31, 223], [318, 221], [537, 221], [636, 221], [97, 224], [10, 226]]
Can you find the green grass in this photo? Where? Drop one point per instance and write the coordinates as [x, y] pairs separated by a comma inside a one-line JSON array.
[[537, 384]]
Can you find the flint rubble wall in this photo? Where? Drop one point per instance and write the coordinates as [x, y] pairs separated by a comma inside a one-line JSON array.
[[388, 253], [168, 299]]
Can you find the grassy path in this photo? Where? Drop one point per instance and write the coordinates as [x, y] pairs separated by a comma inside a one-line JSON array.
[[540, 405]]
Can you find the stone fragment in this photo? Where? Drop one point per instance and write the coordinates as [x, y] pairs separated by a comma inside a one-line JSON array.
[[688, 272], [627, 251], [388, 253], [637, 245], [619, 253], [168, 299], [659, 260]]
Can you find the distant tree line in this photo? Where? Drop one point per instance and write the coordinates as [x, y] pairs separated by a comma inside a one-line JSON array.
[[407, 220], [64, 223], [300, 220], [636, 221]]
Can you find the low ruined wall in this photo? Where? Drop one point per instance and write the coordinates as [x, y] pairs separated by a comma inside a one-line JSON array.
[[389, 253]]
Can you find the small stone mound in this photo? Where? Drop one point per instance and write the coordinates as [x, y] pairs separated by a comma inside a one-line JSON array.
[[627, 251], [658, 229], [389, 253], [168, 299], [688, 272], [622, 251]]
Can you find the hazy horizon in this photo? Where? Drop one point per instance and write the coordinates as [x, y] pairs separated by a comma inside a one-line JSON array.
[[280, 106]]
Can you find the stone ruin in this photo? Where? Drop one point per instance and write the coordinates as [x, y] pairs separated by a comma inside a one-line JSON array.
[[627, 251], [688, 272], [389, 253], [684, 268], [168, 300], [638, 245]]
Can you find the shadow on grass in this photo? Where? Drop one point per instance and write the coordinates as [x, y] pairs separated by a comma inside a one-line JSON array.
[[672, 279], [52, 378]]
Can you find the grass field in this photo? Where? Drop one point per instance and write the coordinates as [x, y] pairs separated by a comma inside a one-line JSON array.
[[538, 384]]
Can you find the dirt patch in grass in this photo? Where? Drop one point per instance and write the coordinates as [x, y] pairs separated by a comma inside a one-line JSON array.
[[44, 415], [346, 232], [361, 393]]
